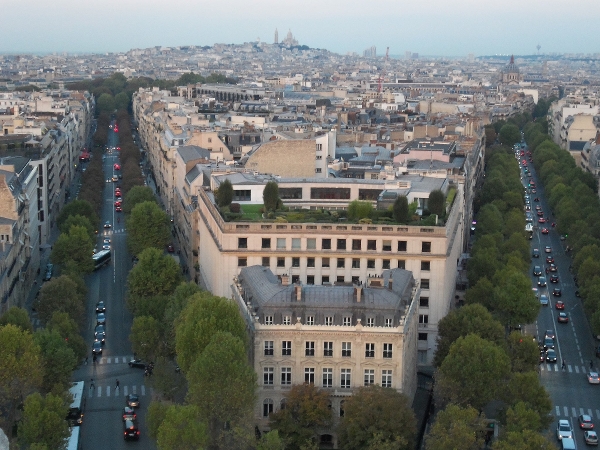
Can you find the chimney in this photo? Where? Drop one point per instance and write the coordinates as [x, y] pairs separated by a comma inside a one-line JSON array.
[[285, 280], [358, 293], [298, 289], [390, 284]]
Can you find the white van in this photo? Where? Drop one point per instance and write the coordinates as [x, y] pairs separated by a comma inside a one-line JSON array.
[[568, 444]]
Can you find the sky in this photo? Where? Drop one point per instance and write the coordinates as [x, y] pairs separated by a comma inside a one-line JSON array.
[[428, 27]]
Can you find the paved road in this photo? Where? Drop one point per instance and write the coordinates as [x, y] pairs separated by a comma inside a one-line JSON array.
[[569, 389], [102, 427]]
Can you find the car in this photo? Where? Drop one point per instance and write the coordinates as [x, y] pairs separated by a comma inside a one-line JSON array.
[[107, 224], [49, 272], [585, 421], [550, 356], [560, 305], [533, 190], [556, 292], [548, 249], [133, 401], [550, 334], [536, 199], [100, 319], [549, 259], [137, 363], [97, 348], [106, 247], [590, 437], [536, 253], [100, 333], [563, 317], [114, 179], [564, 430], [537, 271], [544, 300], [545, 231], [118, 149], [118, 203], [551, 268], [117, 167], [554, 278], [129, 413], [100, 307], [118, 209], [540, 213], [170, 248], [541, 281], [593, 378], [118, 194], [130, 430], [527, 208], [538, 208], [106, 241], [548, 343], [541, 220]]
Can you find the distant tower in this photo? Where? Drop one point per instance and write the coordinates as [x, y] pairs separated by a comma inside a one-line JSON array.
[[276, 36], [538, 48]]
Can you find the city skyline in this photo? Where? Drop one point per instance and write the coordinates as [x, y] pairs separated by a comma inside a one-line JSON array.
[[431, 27]]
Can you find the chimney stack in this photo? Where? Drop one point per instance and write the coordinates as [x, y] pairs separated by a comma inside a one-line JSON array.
[[285, 280], [358, 293], [298, 289]]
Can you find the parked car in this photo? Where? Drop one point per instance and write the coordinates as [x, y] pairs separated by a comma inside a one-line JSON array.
[[137, 363], [97, 348], [100, 318], [49, 272], [564, 430]]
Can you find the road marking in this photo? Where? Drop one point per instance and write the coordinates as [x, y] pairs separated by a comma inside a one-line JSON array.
[[577, 369], [598, 414], [566, 410], [134, 389], [99, 392], [108, 391], [557, 410], [125, 393], [143, 388], [590, 413], [581, 413], [574, 412]]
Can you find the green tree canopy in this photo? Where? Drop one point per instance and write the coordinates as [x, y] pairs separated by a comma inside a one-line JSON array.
[[58, 360], [147, 226], [44, 421], [18, 317], [526, 387], [509, 135], [137, 195], [377, 410], [79, 221], [271, 196], [271, 441], [456, 428], [144, 337], [121, 100], [67, 328], [74, 250], [60, 295], [105, 103], [154, 274], [523, 352], [400, 209], [526, 440], [225, 194], [77, 208], [515, 302], [359, 210], [520, 417], [437, 202], [182, 429], [157, 411]]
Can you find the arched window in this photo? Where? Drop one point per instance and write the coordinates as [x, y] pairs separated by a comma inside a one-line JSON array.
[[267, 407], [283, 403]]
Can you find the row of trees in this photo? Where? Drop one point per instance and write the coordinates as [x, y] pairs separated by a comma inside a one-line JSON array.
[[479, 366]]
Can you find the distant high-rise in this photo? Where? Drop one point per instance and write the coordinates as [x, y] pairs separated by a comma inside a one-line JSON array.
[[370, 52], [276, 37]]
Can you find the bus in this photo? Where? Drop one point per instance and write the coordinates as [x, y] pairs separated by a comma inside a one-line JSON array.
[[75, 416], [73, 442], [101, 258]]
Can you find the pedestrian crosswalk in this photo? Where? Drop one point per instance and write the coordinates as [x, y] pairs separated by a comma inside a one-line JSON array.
[[112, 391], [113, 360], [568, 368], [570, 411]]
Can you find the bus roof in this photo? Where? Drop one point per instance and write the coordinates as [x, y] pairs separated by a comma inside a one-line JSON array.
[[101, 253], [76, 391]]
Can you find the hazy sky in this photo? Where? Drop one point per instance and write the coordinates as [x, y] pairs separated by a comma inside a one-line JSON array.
[[427, 27]]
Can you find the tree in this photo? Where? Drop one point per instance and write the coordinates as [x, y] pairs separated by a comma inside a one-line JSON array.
[[359, 210], [18, 317], [526, 387], [509, 135], [480, 293], [520, 417], [222, 385], [204, 316], [271, 441], [154, 274], [177, 303], [225, 194], [121, 100], [377, 410], [156, 414], [400, 209], [523, 352], [271, 196], [490, 135], [470, 319], [306, 412], [456, 428], [74, 250], [526, 440], [60, 295], [77, 208], [80, 221], [147, 226], [437, 202], [144, 337], [58, 360], [474, 372], [514, 299], [182, 428], [68, 329], [137, 195], [105, 103], [44, 421]]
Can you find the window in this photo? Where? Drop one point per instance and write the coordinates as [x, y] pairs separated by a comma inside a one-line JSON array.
[[330, 193], [386, 264], [327, 377], [268, 320], [209, 140], [318, 170], [401, 264], [370, 263], [370, 321], [346, 378], [340, 279], [325, 279], [242, 242], [369, 350], [356, 244], [319, 147], [280, 262], [341, 263], [386, 378], [326, 244], [325, 262], [389, 322], [242, 262], [426, 247], [328, 320], [295, 243], [309, 375], [401, 246], [347, 349], [266, 243], [286, 376], [290, 193], [371, 244], [422, 336], [310, 262], [341, 244], [268, 376], [387, 350], [286, 348], [310, 320], [369, 377], [327, 348], [355, 263], [311, 244], [242, 195], [424, 283], [266, 261], [310, 279], [423, 320], [310, 348], [281, 243], [267, 407], [347, 321], [426, 265], [287, 320], [319, 156], [387, 246], [268, 348], [424, 302], [295, 262]]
